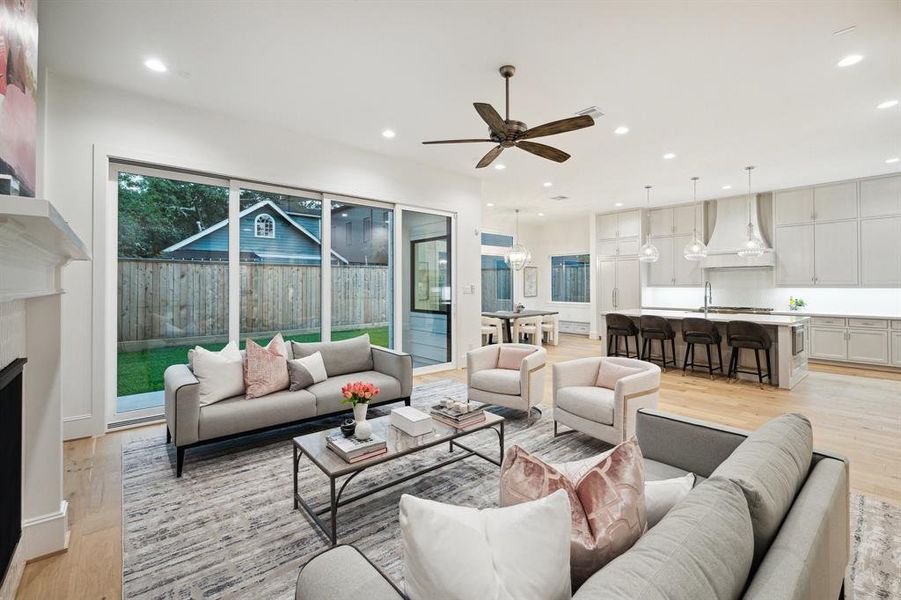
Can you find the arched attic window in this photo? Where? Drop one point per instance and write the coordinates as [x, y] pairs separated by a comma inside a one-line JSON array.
[[264, 226]]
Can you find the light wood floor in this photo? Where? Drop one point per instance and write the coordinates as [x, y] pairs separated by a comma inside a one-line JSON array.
[[854, 412]]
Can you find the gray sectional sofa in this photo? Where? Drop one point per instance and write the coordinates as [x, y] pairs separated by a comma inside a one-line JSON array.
[[768, 519], [189, 424]]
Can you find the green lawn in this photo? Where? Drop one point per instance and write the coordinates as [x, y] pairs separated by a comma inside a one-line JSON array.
[[142, 371]]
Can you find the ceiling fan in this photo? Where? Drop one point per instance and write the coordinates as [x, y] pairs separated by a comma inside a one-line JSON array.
[[507, 133]]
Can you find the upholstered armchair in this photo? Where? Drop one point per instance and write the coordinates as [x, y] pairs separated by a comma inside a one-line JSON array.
[[606, 413], [510, 375]]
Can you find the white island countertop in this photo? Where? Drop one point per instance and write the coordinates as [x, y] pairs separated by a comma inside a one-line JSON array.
[[771, 320]]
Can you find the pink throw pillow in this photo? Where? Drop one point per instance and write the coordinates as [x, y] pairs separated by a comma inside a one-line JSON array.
[[511, 358], [607, 502], [265, 369], [610, 373]]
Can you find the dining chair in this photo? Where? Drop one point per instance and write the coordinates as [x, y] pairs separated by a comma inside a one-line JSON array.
[[492, 329], [528, 327], [550, 328]]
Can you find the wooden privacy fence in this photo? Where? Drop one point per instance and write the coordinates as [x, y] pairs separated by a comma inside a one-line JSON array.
[[570, 283], [496, 292], [161, 300]]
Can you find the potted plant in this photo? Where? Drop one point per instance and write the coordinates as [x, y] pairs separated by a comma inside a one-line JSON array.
[[358, 395]]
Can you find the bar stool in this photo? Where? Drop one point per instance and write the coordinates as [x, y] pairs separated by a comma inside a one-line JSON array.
[[657, 328], [744, 334], [701, 331], [620, 326]]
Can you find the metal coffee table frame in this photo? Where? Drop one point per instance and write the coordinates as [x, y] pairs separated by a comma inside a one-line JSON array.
[[330, 528]]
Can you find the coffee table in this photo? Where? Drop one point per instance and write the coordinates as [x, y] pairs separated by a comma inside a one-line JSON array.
[[313, 446]]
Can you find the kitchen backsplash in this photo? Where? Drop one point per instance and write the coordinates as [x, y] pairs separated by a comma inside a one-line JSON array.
[[754, 287]]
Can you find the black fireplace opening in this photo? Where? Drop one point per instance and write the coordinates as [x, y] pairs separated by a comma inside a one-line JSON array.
[[10, 461]]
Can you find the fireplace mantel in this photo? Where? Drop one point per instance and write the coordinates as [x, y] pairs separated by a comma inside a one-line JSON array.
[[35, 241]]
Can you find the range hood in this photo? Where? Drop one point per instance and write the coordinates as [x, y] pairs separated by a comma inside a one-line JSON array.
[[729, 232]]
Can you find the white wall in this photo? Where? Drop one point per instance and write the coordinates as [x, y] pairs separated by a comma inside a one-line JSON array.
[[84, 120], [546, 239]]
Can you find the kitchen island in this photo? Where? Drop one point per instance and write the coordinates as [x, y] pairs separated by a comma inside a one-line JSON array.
[[789, 334]]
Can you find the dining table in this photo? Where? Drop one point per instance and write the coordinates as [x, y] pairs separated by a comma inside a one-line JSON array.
[[508, 316]]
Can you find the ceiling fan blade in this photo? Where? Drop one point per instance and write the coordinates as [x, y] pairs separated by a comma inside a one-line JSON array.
[[561, 126], [489, 158], [543, 151], [490, 116], [457, 141]]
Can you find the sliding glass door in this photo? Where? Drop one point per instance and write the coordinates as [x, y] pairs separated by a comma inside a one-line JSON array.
[[427, 304]]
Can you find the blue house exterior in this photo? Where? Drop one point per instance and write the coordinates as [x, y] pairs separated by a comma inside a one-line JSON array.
[[268, 235]]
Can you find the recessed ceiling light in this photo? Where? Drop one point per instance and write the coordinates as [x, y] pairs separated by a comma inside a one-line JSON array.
[[887, 104], [500, 167], [548, 184], [727, 187], [489, 204], [851, 59], [388, 133], [891, 160], [669, 155], [622, 129], [155, 64], [618, 204], [540, 214]]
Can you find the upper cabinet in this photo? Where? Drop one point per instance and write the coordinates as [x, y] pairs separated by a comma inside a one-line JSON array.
[[880, 197], [880, 252], [624, 224], [679, 220], [832, 202]]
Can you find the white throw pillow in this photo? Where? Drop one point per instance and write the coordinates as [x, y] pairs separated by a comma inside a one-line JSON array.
[[221, 374], [661, 496], [315, 365], [519, 552]]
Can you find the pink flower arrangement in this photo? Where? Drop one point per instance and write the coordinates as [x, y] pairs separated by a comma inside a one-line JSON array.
[[358, 392]]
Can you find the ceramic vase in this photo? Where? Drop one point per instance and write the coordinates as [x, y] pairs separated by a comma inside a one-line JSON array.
[[363, 429]]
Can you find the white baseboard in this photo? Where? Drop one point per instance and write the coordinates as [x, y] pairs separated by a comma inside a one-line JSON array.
[[46, 534], [81, 426]]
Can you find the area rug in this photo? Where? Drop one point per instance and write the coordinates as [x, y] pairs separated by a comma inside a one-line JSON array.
[[227, 528]]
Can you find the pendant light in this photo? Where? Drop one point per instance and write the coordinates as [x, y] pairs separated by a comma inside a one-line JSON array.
[[753, 245], [518, 256], [648, 252], [696, 249]]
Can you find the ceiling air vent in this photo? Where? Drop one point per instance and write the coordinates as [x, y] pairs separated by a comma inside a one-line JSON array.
[[592, 111], [558, 198]]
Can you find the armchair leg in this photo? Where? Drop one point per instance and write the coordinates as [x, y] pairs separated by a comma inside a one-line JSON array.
[[179, 461], [407, 401], [168, 435]]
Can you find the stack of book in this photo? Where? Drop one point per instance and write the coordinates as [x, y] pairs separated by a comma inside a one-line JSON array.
[[353, 450], [459, 415]]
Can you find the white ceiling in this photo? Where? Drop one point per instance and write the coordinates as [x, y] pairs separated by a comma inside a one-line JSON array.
[[721, 84]]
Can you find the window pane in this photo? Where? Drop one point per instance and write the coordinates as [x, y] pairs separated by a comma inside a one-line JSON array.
[[497, 239], [281, 266], [497, 284], [172, 280], [362, 281], [569, 278]]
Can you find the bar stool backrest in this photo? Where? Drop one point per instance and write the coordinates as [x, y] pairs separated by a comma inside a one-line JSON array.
[[655, 324], [745, 334], [702, 330], [621, 324]]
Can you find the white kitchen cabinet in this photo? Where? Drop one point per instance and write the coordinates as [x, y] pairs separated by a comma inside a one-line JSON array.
[[660, 273], [794, 206], [880, 197], [795, 255], [685, 272], [870, 346], [660, 222], [628, 284], [896, 348], [828, 343], [606, 285], [608, 248], [835, 201], [684, 221], [880, 252], [627, 247], [629, 223], [835, 253], [608, 225]]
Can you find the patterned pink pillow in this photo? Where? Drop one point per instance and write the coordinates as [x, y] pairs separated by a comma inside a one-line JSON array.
[[265, 369], [607, 502], [511, 358], [609, 373]]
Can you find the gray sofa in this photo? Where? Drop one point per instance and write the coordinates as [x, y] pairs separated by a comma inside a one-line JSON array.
[[188, 424], [745, 531]]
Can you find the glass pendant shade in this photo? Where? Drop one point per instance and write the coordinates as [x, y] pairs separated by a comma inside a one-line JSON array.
[[517, 257], [648, 252], [753, 245], [695, 249]]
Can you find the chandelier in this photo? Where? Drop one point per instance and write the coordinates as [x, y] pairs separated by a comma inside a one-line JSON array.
[[695, 249], [753, 244], [517, 256], [648, 252]]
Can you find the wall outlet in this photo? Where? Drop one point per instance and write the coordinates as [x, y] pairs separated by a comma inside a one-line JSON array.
[[469, 289]]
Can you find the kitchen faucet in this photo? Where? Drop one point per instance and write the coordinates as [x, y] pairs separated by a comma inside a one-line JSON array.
[[708, 297]]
